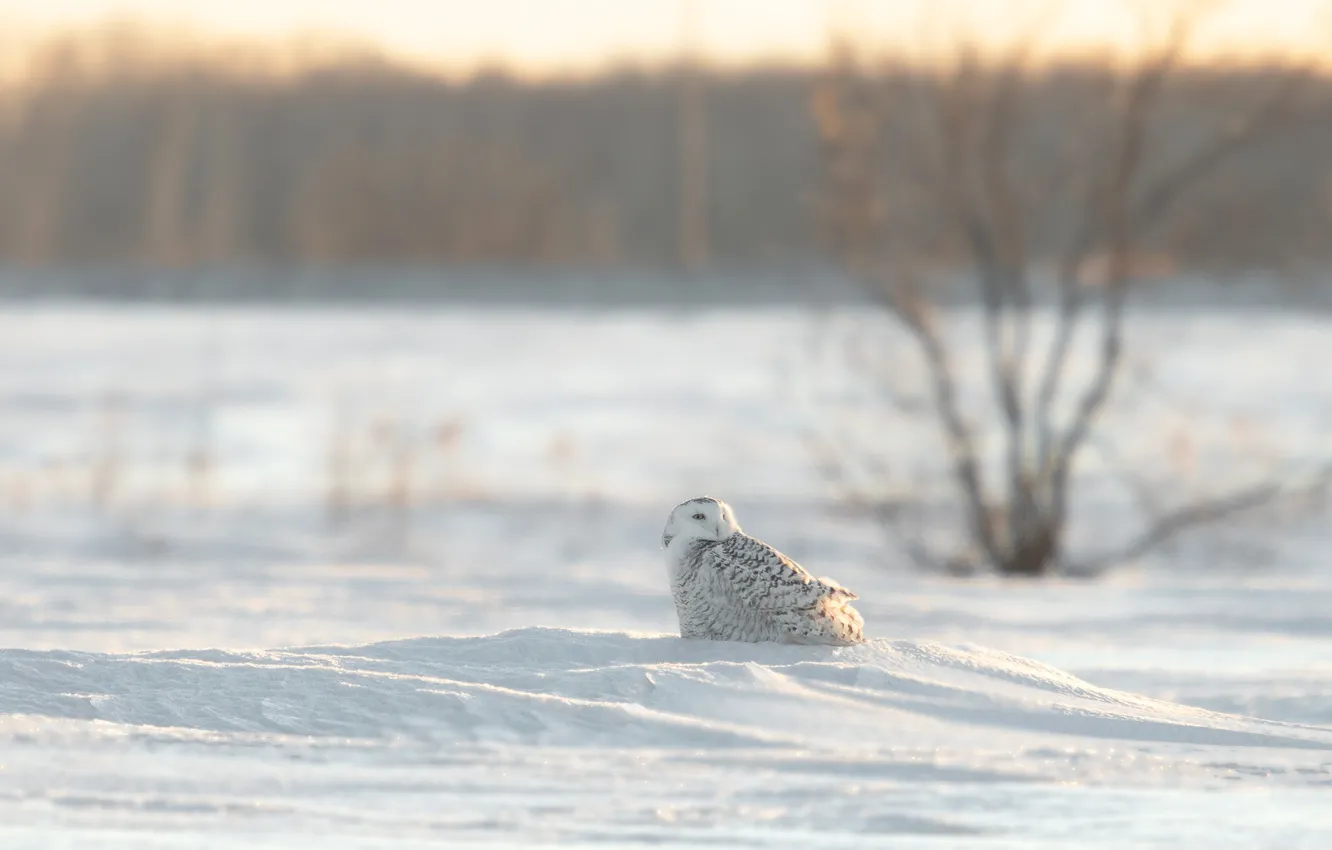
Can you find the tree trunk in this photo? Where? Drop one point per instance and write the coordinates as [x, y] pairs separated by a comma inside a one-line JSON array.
[[1034, 553]]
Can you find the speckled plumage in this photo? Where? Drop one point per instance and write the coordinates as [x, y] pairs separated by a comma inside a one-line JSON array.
[[730, 586]]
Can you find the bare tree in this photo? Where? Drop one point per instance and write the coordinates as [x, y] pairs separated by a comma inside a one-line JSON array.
[[946, 146]]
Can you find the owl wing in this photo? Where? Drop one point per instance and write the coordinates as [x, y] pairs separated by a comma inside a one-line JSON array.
[[758, 576]]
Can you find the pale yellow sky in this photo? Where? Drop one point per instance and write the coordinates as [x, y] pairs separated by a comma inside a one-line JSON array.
[[546, 35]]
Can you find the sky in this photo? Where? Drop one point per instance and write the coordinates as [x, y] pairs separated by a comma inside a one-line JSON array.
[[553, 35]]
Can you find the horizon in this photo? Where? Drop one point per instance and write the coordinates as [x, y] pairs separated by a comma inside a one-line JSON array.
[[576, 37]]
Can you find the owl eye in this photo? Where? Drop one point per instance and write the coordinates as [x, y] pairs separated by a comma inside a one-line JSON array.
[[699, 516]]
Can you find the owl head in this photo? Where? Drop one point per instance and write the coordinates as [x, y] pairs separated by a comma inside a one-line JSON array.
[[704, 518]]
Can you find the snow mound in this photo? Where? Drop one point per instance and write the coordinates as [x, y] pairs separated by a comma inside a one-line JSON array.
[[549, 737], [556, 687]]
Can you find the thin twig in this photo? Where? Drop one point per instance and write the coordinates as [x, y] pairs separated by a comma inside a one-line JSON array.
[[1195, 514], [961, 443], [1142, 95]]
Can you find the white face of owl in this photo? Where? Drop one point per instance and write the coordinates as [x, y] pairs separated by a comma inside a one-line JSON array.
[[703, 518]]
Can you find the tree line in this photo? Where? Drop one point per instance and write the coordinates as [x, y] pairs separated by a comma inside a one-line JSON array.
[[116, 150]]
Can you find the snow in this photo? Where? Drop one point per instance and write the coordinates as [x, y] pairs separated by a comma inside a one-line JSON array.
[[462, 638], [576, 736]]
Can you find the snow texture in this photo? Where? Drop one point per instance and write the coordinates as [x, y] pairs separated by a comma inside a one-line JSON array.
[[575, 736], [470, 640]]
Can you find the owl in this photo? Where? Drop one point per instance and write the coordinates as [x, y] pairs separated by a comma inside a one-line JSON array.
[[730, 586]]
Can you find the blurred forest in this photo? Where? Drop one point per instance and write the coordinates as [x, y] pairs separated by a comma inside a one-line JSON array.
[[121, 146]]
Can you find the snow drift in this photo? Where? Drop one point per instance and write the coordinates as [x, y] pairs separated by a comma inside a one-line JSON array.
[[555, 687], [549, 734]]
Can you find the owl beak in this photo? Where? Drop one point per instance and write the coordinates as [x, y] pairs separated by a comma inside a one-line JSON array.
[[666, 540]]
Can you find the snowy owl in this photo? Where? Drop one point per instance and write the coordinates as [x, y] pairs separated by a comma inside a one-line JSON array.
[[730, 586]]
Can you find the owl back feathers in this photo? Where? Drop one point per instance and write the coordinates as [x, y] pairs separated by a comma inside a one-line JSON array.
[[743, 589]]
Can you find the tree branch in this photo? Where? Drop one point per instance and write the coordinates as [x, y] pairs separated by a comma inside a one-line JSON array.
[[1005, 287], [1174, 523], [887, 513], [1158, 199], [1142, 95], [959, 439]]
